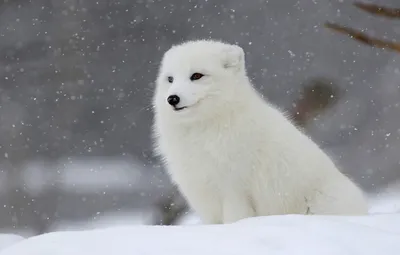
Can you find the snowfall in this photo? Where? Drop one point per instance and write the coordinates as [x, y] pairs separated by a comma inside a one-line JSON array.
[[376, 233]]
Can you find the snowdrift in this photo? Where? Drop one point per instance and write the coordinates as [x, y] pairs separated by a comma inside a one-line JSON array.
[[288, 234], [8, 240]]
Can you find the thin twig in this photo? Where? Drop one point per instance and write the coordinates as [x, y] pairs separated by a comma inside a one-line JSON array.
[[374, 9], [363, 37]]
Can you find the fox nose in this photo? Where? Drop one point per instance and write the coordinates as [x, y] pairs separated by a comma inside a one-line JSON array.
[[173, 100]]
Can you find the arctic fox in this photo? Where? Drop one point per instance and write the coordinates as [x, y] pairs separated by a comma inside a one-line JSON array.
[[232, 154]]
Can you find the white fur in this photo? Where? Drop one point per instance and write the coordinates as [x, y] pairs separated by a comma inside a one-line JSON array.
[[232, 154]]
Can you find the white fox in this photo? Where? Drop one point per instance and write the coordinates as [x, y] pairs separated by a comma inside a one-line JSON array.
[[232, 154]]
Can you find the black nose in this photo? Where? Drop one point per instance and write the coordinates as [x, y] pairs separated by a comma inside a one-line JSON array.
[[173, 100]]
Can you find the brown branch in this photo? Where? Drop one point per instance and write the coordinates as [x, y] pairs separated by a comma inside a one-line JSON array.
[[393, 13], [363, 37]]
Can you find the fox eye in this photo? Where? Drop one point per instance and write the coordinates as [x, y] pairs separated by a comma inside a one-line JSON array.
[[196, 76], [170, 79]]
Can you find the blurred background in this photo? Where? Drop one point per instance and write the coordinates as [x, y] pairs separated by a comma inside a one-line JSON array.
[[76, 81]]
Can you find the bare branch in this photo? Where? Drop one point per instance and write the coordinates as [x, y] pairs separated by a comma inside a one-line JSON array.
[[363, 37], [393, 13]]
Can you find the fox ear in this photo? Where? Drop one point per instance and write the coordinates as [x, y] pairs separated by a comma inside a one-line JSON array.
[[233, 57]]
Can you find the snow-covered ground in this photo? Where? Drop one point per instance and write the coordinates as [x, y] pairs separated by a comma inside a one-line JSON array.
[[106, 220], [386, 200], [128, 233], [85, 174], [386, 204], [8, 240], [290, 234]]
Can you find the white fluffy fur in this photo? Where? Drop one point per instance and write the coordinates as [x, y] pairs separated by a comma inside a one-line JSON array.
[[232, 154]]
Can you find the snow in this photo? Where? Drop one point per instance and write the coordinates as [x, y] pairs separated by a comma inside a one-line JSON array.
[[128, 233], [386, 204], [106, 220], [8, 240], [386, 200], [289, 234], [189, 219], [83, 175]]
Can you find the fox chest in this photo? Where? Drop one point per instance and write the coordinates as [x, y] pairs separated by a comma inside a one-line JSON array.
[[206, 160]]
